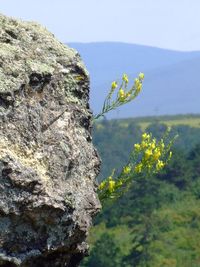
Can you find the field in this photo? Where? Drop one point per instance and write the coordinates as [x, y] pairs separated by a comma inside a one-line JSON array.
[[174, 120]]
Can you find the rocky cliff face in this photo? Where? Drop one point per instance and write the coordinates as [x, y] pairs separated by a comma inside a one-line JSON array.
[[47, 161]]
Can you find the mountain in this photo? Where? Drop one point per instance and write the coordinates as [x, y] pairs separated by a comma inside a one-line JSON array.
[[172, 80]]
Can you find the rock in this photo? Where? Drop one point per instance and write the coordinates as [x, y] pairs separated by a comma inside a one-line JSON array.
[[48, 164]]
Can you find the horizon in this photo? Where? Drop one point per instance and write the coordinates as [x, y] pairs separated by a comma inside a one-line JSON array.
[[134, 44], [135, 22], [165, 70], [149, 56]]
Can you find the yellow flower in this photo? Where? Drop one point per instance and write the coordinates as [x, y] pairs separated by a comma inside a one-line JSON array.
[[138, 168], [137, 147], [160, 165], [147, 154], [156, 154], [141, 76], [125, 78], [102, 185], [119, 183], [137, 82], [138, 85], [152, 145], [144, 144], [111, 186], [114, 85], [145, 136], [121, 95], [127, 170]]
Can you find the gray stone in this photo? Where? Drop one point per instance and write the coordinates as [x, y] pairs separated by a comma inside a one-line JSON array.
[[48, 164]]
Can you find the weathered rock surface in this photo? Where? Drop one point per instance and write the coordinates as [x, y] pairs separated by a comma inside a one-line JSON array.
[[47, 161]]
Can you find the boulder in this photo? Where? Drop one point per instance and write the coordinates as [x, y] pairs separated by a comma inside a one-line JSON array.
[[48, 164]]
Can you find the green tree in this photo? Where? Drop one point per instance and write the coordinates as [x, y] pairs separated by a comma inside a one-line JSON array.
[[105, 253]]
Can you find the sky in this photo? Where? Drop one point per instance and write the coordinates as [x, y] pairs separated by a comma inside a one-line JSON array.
[[171, 24]]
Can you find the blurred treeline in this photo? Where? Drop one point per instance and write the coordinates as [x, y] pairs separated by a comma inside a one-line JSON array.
[[157, 222]]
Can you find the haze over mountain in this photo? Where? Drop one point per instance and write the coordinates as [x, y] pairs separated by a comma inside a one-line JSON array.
[[172, 78]]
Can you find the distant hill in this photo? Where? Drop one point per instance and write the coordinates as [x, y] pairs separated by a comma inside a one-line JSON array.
[[172, 80]]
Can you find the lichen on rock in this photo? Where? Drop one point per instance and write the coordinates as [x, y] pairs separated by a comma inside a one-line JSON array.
[[48, 164]]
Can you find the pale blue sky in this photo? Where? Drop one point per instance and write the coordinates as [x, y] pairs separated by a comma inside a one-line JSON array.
[[172, 24]]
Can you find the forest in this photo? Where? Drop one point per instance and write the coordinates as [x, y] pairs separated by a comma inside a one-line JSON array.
[[157, 222]]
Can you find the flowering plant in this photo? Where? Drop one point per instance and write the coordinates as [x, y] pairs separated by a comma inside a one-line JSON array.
[[120, 95], [147, 157]]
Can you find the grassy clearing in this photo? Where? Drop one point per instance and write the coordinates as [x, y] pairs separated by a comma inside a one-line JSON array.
[[192, 122], [173, 120]]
